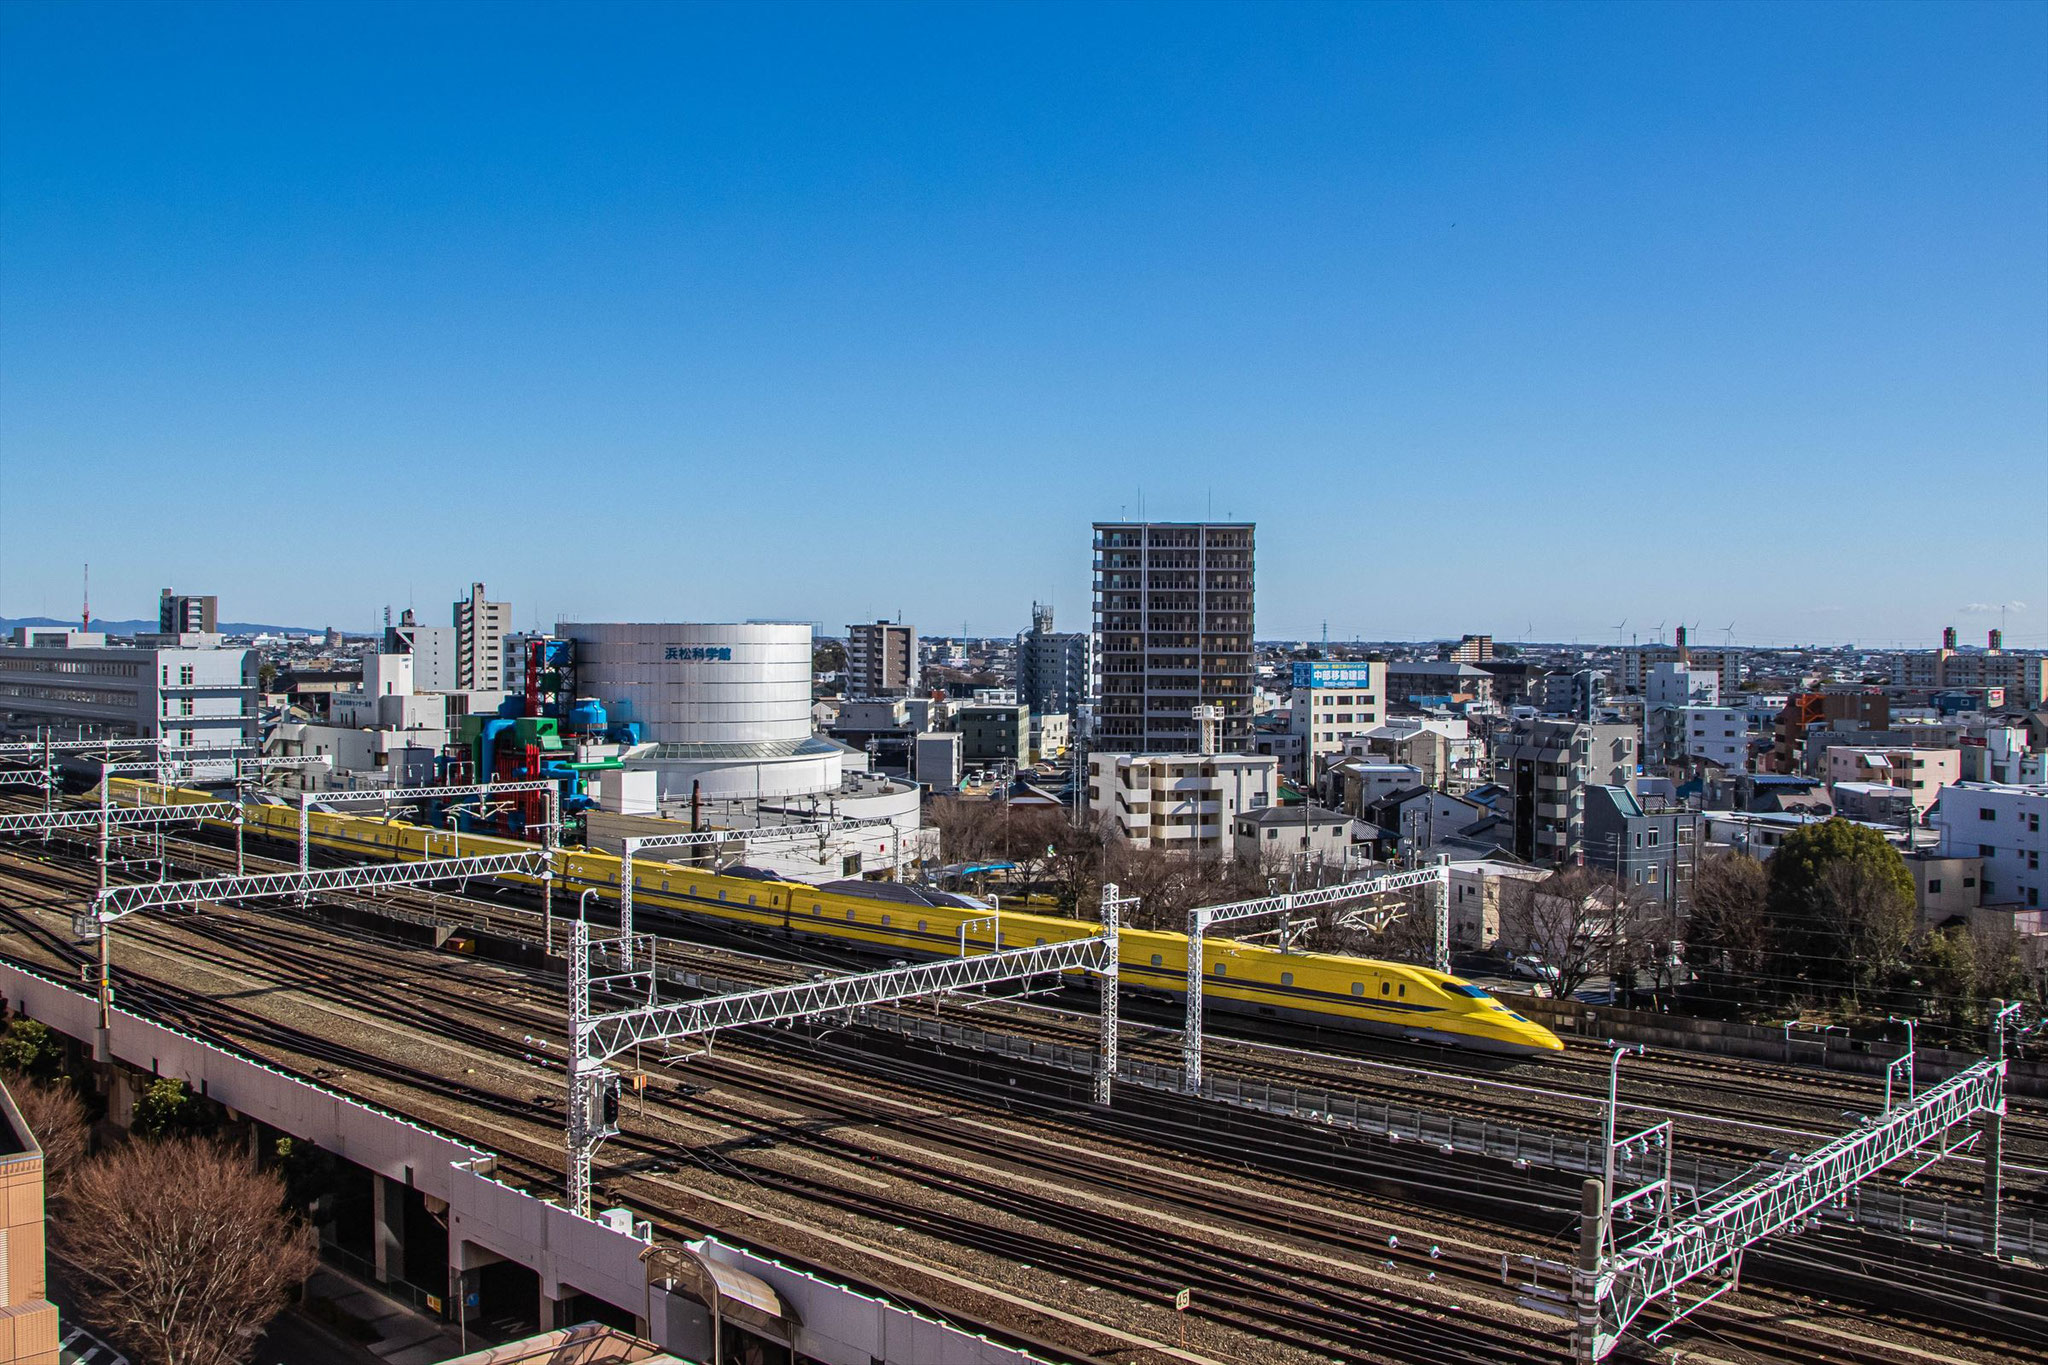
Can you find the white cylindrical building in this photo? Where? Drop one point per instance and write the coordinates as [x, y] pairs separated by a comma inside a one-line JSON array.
[[728, 707]]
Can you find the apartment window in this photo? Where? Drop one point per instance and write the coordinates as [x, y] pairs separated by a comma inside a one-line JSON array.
[[1969, 882], [1934, 886], [1653, 838], [185, 738], [185, 675], [1986, 813], [1986, 851], [184, 706]]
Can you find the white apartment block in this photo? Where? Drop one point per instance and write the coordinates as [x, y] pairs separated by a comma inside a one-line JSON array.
[[2003, 826], [480, 631], [1675, 684], [187, 689], [1185, 803], [1333, 703], [1716, 734]]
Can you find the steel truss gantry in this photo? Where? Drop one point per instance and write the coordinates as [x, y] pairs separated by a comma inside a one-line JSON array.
[[477, 794], [1203, 918], [596, 1038], [807, 829], [1612, 1289], [32, 748], [86, 817], [117, 902]]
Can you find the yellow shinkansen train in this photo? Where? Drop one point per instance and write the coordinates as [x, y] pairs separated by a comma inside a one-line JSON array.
[[1324, 989]]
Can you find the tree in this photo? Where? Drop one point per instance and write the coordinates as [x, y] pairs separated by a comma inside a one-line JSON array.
[[1580, 922], [56, 1117], [185, 1251], [1948, 964], [1811, 908], [1868, 918], [1730, 925], [165, 1107], [28, 1047]]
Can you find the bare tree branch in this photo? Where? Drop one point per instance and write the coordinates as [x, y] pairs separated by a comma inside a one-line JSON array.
[[185, 1251]]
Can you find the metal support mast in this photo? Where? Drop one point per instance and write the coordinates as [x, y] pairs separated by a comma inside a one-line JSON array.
[[1202, 918], [1714, 1239]]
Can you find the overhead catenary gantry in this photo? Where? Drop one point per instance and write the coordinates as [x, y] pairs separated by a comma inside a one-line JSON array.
[[1202, 918], [1611, 1288], [595, 1038], [472, 793]]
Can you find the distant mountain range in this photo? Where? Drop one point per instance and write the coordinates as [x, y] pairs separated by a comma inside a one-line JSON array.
[[8, 623]]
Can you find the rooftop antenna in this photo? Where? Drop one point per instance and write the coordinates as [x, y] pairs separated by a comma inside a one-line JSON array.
[[85, 612]]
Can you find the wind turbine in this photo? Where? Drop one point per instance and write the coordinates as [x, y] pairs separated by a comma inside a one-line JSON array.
[[1618, 630], [1728, 635]]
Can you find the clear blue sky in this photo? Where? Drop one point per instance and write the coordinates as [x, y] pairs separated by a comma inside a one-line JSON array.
[[1488, 316]]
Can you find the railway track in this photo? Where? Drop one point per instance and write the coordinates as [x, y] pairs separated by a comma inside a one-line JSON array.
[[375, 977]]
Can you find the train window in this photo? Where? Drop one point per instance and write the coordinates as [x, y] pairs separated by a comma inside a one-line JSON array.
[[817, 909], [721, 893], [1040, 943], [1358, 988], [664, 886], [1403, 991], [693, 888], [920, 926], [1469, 992], [1222, 969], [849, 912], [885, 919], [1384, 988], [1287, 978], [1158, 961], [750, 900]]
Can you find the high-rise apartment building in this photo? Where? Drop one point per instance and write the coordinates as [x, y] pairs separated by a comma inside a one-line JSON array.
[[881, 659], [180, 615], [1173, 631], [480, 630], [1054, 672]]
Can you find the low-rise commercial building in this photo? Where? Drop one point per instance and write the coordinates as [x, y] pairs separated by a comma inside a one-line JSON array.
[[185, 688]]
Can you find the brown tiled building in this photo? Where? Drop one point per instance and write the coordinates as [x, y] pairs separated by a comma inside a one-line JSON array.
[[28, 1320]]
